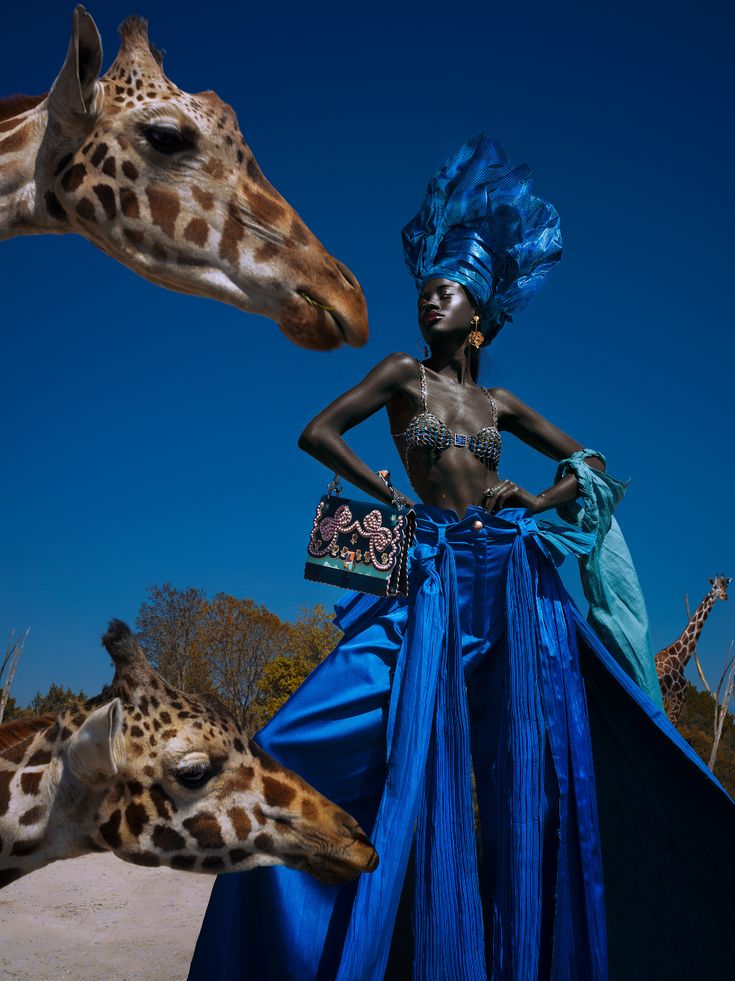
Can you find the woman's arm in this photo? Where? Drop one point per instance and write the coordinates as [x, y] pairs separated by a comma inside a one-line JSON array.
[[531, 427], [322, 438]]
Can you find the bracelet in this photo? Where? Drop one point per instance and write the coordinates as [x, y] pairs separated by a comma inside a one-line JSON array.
[[397, 500]]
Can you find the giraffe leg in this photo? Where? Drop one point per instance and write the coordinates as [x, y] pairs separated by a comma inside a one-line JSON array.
[[674, 706]]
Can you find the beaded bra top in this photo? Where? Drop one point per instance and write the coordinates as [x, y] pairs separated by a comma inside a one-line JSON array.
[[426, 429]]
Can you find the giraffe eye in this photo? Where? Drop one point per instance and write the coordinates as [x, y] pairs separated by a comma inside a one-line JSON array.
[[196, 776], [166, 139]]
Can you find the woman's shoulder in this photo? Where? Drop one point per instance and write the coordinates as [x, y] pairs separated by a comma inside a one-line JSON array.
[[503, 396], [500, 393], [401, 362], [509, 406], [397, 369]]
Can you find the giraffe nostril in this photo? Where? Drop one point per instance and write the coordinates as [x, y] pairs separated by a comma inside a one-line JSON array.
[[353, 829], [347, 275]]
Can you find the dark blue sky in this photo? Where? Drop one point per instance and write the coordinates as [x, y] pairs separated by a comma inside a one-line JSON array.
[[150, 436]]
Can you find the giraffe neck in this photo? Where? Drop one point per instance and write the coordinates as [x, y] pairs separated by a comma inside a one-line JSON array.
[[693, 629], [27, 201], [31, 788]]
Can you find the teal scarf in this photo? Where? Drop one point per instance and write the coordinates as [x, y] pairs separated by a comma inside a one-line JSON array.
[[617, 609]]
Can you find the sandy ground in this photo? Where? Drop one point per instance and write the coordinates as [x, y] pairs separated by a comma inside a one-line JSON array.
[[99, 919]]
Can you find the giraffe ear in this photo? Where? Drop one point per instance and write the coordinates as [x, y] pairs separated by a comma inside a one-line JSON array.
[[97, 749], [75, 95]]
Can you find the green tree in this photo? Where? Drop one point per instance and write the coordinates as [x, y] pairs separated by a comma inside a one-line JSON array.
[[14, 711], [55, 700], [696, 725]]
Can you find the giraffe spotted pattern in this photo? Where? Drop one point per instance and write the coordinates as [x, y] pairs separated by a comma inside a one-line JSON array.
[[163, 181], [159, 777], [671, 661]]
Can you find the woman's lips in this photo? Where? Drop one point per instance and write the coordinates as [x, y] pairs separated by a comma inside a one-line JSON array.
[[429, 318]]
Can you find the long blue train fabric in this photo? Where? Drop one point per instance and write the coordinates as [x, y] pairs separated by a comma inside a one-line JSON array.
[[605, 844]]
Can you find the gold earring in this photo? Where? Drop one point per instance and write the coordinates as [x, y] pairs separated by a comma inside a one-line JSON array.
[[476, 336]]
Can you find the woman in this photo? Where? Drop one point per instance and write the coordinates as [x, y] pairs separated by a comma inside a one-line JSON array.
[[586, 794]]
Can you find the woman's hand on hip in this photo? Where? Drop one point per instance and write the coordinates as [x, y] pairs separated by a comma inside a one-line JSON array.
[[506, 494]]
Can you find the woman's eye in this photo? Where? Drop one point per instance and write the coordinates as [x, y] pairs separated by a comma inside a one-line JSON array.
[[166, 139], [195, 776]]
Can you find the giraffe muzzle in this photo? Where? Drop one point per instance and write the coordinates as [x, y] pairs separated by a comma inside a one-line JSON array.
[[328, 314], [334, 870]]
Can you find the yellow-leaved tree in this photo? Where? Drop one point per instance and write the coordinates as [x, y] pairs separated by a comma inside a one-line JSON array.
[[308, 641], [233, 648]]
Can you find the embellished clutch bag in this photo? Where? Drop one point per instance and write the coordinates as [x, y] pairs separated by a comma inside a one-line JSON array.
[[360, 545]]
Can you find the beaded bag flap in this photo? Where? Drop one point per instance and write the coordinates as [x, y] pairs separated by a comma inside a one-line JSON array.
[[360, 545]]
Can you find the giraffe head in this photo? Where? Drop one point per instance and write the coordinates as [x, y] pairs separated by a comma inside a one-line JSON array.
[[193, 792], [719, 587], [164, 182], [162, 778]]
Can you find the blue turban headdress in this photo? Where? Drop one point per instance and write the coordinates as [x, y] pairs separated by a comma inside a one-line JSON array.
[[481, 226]]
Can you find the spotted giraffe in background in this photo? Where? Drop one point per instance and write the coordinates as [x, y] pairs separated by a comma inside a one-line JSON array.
[[161, 778], [163, 181], [672, 660]]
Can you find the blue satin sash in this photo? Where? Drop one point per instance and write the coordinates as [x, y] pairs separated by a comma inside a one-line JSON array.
[[427, 785], [429, 773]]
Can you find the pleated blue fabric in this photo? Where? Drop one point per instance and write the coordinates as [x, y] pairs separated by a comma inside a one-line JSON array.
[[481, 669], [428, 782]]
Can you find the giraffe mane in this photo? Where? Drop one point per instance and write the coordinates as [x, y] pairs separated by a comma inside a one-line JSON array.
[[14, 105], [17, 731]]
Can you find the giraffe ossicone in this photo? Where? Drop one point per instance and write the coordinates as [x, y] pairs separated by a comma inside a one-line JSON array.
[[159, 777], [164, 182]]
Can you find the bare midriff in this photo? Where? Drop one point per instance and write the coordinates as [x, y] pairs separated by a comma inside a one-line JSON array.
[[456, 481]]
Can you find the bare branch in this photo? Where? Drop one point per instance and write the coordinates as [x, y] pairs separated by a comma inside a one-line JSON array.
[[700, 672], [12, 659], [167, 623], [721, 709], [8, 652]]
